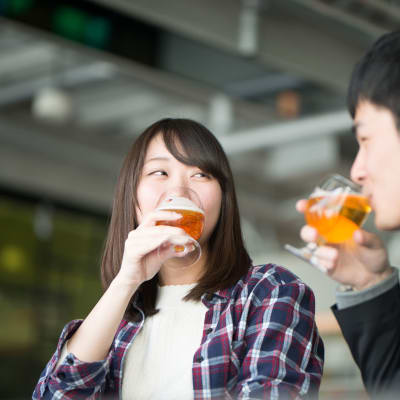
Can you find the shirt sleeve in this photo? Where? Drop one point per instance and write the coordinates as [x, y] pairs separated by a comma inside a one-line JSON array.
[[63, 355], [72, 378], [352, 298], [284, 353]]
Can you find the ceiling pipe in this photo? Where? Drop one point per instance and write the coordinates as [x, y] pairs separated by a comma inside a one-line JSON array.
[[286, 132]]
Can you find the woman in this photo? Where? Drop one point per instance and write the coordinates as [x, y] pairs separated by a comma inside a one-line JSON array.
[[219, 328]]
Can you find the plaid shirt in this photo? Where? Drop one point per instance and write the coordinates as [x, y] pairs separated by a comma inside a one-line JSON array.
[[259, 341]]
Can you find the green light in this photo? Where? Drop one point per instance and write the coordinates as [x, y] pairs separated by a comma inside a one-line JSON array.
[[97, 32], [18, 7], [70, 23], [12, 259], [3, 7]]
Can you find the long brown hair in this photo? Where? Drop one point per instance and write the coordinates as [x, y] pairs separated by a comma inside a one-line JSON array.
[[227, 260]]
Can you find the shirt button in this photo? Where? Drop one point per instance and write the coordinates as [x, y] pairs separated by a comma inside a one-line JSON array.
[[209, 330], [200, 359], [61, 375], [70, 361]]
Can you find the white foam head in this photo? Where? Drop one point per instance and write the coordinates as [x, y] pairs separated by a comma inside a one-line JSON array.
[[179, 203], [318, 192]]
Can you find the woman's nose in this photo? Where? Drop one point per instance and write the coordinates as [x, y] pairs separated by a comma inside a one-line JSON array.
[[178, 183], [178, 190]]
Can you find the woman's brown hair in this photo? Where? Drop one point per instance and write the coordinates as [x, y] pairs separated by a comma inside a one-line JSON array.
[[192, 144]]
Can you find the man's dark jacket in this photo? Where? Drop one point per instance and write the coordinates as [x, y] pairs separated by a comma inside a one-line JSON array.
[[372, 331]]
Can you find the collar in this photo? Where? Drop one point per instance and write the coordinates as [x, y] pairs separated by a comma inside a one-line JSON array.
[[212, 298]]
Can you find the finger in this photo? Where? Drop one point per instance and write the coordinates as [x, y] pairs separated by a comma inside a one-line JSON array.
[[367, 239], [151, 230], [142, 245], [327, 253], [301, 205], [325, 258], [309, 234], [317, 264], [152, 233], [149, 238]]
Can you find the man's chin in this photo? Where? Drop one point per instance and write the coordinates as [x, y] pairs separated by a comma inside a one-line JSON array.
[[384, 224]]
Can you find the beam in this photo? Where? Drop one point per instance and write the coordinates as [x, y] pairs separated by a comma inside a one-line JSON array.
[[57, 167], [339, 15], [60, 148], [48, 177], [286, 41], [73, 76], [286, 132]]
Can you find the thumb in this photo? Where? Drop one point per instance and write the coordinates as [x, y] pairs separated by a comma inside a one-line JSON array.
[[301, 205], [367, 239]]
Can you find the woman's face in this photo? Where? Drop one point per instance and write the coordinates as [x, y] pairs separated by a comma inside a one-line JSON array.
[[161, 171]]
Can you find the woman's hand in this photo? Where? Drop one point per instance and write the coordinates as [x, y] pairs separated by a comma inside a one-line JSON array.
[[141, 260], [360, 262]]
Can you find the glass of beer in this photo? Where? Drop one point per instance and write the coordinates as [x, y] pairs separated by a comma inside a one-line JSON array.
[[336, 209], [186, 202]]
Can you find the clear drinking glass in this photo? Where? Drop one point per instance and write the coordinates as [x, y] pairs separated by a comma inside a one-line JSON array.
[[186, 202], [336, 209]]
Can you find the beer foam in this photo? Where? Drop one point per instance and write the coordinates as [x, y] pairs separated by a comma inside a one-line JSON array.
[[179, 203], [318, 192]]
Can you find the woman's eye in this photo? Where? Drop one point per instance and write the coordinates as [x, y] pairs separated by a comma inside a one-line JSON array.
[[158, 173], [201, 175]]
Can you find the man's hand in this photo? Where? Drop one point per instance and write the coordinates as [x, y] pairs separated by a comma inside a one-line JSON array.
[[360, 262]]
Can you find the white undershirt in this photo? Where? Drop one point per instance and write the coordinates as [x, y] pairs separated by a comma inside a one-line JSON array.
[[158, 364]]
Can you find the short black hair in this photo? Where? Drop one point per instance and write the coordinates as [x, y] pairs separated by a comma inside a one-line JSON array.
[[376, 77]]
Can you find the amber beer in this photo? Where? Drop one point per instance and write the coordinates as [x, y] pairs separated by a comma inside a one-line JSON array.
[[192, 221], [336, 217]]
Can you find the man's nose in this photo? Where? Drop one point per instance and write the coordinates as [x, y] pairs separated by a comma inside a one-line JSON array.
[[357, 169]]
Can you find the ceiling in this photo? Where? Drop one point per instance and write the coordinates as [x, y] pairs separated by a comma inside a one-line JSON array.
[[267, 77]]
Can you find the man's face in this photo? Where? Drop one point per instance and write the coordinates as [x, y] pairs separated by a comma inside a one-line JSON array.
[[377, 165]]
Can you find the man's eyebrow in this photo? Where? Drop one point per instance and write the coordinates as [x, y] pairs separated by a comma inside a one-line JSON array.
[[355, 127]]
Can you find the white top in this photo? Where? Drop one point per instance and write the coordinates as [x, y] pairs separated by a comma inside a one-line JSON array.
[[158, 364]]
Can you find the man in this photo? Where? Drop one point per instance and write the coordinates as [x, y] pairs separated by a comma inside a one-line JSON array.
[[368, 310]]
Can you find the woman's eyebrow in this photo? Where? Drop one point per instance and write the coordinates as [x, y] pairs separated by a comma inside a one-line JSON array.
[[157, 158]]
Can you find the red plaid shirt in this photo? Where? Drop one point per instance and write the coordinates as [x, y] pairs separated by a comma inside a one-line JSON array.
[[259, 341]]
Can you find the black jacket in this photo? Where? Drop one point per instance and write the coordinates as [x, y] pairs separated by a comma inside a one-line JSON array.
[[372, 331]]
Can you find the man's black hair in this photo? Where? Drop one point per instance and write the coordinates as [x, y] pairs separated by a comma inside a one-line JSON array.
[[376, 77]]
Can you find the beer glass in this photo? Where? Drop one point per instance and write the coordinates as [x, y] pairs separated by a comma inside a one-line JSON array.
[[186, 202], [336, 209]]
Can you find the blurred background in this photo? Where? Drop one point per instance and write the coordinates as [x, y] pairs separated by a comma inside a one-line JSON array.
[[79, 80]]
